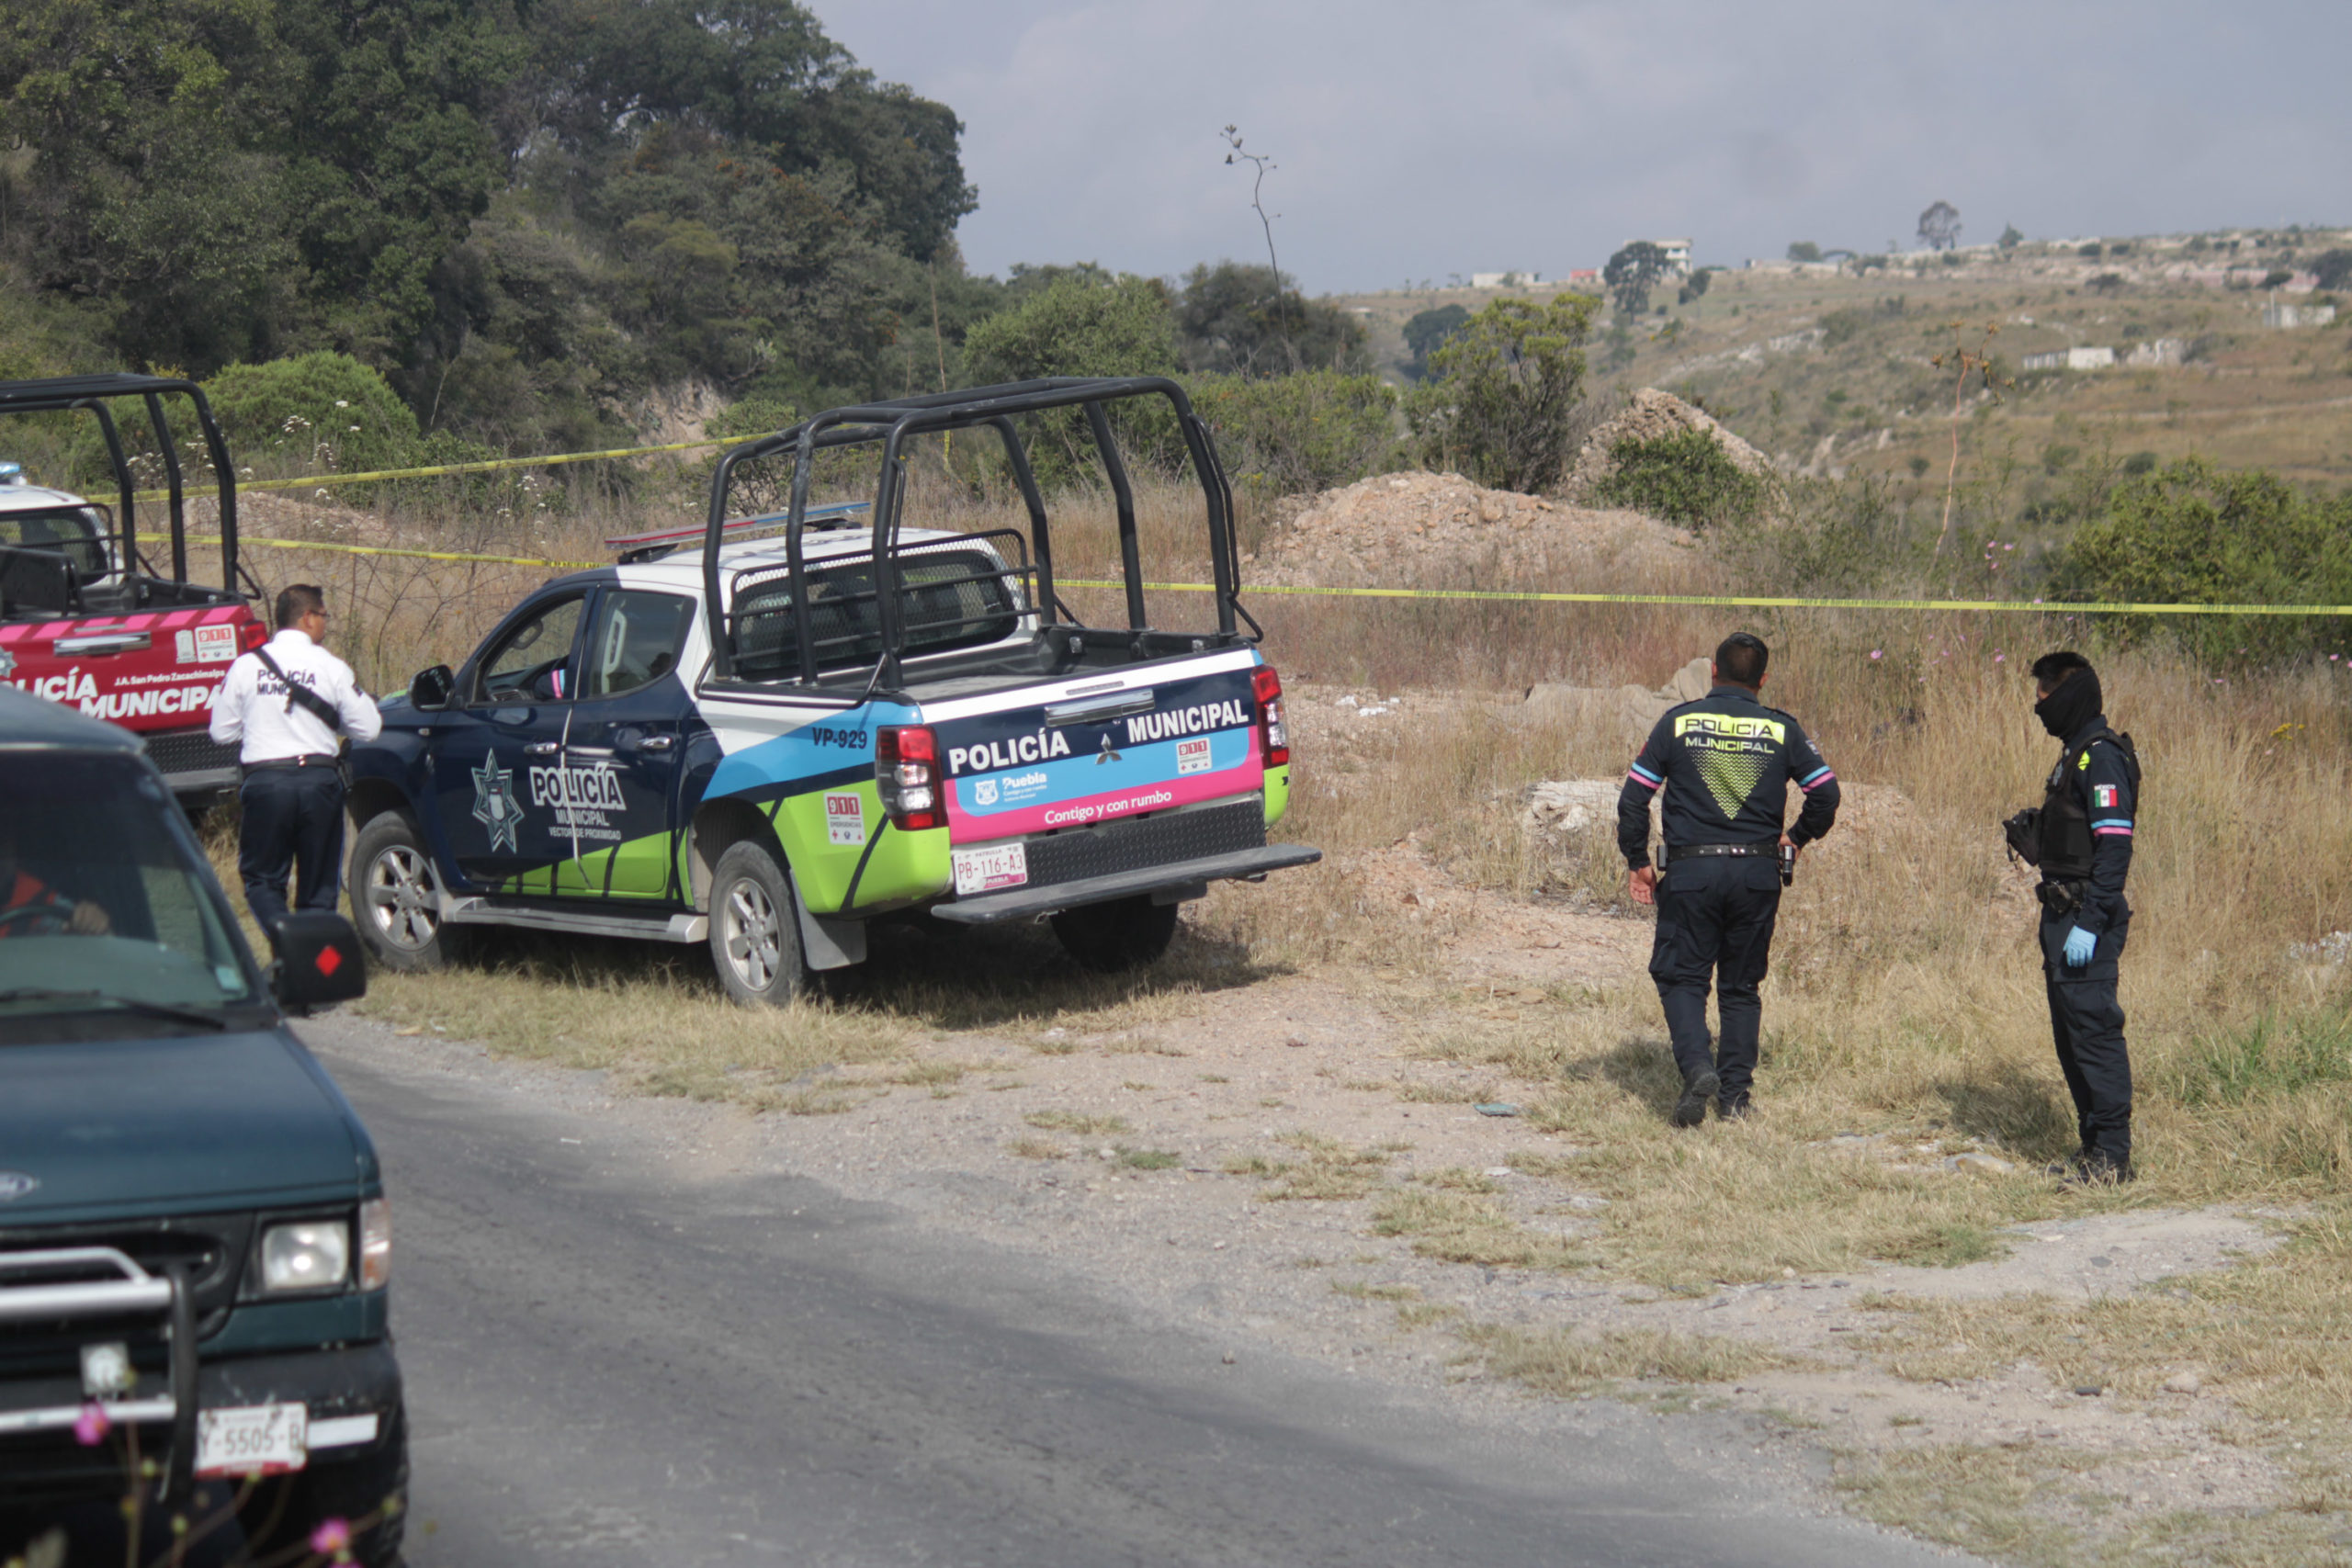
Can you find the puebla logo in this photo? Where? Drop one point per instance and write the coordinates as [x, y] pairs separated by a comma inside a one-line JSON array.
[[495, 807]]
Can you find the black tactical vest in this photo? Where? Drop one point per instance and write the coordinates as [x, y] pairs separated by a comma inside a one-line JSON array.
[[2065, 822]]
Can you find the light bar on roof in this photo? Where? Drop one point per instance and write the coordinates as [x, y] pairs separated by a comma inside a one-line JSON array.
[[692, 533]]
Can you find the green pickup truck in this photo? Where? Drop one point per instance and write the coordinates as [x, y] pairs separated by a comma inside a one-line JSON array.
[[194, 1240]]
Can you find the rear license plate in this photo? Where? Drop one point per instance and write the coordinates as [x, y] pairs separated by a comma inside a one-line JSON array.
[[988, 869], [258, 1439]]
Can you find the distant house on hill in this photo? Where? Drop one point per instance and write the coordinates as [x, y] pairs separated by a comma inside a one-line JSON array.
[[2277, 315], [1676, 254], [2082, 358], [1505, 279]]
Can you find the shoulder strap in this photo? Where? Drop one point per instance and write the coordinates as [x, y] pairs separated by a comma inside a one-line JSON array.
[[2119, 741], [317, 707]]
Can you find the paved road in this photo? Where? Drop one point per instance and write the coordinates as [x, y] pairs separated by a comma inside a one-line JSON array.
[[611, 1362]]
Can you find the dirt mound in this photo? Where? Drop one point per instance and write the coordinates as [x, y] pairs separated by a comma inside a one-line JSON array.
[[1442, 530], [1652, 415]]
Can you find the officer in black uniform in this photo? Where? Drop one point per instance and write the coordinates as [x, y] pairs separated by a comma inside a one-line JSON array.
[[1726, 763], [2080, 838]]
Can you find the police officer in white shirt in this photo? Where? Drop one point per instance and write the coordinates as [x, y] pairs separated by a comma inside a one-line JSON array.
[[289, 703]]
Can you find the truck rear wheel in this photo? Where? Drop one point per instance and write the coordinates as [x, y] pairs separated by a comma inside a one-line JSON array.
[[1125, 934], [755, 928], [395, 901]]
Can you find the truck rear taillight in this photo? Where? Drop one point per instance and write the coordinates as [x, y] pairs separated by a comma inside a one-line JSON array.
[[1273, 736], [906, 769], [250, 636]]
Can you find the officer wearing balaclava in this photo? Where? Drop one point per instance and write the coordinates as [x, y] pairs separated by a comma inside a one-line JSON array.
[[2081, 840]]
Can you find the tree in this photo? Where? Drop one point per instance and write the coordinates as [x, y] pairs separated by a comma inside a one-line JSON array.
[[1505, 388], [2010, 239], [1694, 286], [1428, 331], [1241, 320], [1632, 273], [1805, 251], [2333, 268], [1078, 327], [1940, 226]]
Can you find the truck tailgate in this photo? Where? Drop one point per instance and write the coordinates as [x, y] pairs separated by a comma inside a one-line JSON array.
[[1090, 753]]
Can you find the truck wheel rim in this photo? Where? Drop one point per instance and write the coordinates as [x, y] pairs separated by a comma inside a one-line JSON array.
[[749, 925], [399, 897]]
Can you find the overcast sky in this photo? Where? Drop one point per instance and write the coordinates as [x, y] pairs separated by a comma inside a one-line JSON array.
[[1416, 140]]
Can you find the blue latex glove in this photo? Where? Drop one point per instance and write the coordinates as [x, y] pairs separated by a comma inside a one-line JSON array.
[[2080, 944]]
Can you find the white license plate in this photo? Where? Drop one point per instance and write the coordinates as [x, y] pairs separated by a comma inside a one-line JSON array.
[[986, 870], [258, 1440]]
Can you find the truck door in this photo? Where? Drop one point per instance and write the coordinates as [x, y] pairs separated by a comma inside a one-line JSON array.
[[622, 752], [498, 752]]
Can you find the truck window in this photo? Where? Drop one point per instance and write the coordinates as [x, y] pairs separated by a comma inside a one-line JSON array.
[[949, 600], [636, 640], [102, 897], [77, 533], [528, 663]]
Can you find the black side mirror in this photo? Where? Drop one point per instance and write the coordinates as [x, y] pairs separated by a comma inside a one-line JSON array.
[[318, 962], [431, 689]]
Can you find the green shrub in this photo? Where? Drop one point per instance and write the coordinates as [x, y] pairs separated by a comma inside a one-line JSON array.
[[1296, 435], [322, 412], [1504, 390], [1085, 326], [2192, 533], [1684, 477]]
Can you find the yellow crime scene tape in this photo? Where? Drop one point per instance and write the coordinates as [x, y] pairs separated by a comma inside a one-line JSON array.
[[488, 465], [1484, 595]]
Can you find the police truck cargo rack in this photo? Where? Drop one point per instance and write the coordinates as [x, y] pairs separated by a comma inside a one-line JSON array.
[[764, 742], [87, 620]]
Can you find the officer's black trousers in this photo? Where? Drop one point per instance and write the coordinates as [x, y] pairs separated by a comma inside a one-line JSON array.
[[1714, 922], [293, 818], [2086, 1023]]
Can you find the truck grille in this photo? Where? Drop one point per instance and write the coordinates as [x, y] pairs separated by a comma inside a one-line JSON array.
[[1138, 845], [209, 1250], [188, 751]]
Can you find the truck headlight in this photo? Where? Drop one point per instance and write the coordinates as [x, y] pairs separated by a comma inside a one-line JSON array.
[[374, 1243], [309, 1255]]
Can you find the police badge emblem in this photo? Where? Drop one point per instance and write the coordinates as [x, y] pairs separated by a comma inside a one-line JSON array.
[[495, 807]]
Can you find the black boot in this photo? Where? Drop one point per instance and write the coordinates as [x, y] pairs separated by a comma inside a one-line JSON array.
[[1697, 1091]]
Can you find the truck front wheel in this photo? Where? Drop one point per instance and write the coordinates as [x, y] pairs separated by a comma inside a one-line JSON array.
[[755, 928], [1125, 934], [395, 901]]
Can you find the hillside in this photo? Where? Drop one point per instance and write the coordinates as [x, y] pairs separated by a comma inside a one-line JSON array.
[[1830, 372]]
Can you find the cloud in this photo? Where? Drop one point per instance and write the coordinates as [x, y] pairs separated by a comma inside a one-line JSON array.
[[1415, 142]]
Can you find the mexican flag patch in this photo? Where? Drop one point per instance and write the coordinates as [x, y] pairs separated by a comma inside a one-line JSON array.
[[2103, 796]]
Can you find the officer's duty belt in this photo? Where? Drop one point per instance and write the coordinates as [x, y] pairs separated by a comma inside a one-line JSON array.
[[1694, 851], [307, 759]]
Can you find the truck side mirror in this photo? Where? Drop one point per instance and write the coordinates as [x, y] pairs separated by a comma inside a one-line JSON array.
[[431, 689], [318, 962]]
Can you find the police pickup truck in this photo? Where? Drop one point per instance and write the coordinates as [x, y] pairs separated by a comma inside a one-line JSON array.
[[88, 620], [762, 743]]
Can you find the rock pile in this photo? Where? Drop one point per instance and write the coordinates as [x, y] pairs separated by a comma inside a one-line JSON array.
[[1441, 530], [1654, 414]]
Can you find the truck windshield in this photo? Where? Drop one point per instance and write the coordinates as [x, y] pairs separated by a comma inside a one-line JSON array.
[[106, 904], [77, 533], [948, 599]]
